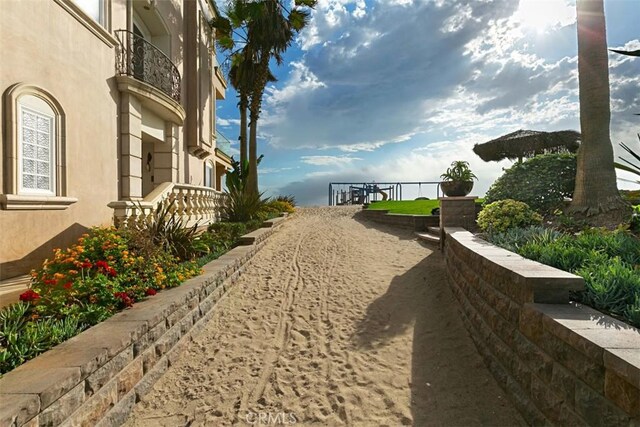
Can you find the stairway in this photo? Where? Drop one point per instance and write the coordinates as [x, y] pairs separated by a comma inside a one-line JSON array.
[[10, 289], [430, 235]]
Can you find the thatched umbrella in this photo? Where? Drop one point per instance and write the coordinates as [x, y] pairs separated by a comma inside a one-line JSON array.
[[528, 143]]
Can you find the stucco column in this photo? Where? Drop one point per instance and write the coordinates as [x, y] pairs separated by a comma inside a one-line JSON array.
[[131, 147], [166, 156]]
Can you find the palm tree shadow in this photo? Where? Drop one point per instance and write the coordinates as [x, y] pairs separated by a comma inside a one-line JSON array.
[[450, 384]]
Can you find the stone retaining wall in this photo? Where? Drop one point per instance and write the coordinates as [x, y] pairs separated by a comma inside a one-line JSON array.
[[415, 222], [97, 377], [560, 362]]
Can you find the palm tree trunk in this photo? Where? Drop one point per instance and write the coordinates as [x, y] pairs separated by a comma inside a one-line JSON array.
[[262, 76], [596, 191], [244, 101], [253, 155]]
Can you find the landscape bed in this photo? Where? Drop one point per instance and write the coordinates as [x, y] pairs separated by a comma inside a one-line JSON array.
[[106, 271]]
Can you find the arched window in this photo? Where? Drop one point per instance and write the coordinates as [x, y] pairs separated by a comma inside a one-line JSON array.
[[36, 146], [34, 152]]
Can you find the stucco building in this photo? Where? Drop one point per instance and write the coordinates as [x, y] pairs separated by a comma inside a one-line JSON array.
[[105, 103]]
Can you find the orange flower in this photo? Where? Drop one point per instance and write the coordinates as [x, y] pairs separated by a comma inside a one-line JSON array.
[[58, 276]]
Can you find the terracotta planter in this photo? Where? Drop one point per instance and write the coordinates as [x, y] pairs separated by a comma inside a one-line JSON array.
[[456, 188]]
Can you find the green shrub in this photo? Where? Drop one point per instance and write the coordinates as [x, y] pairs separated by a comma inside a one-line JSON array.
[[608, 261], [515, 238], [23, 336], [289, 199], [228, 231], [505, 214], [612, 286], [611, 243], [242, 206], [167, 230], [631, 196], [281, 206], [541, 182]]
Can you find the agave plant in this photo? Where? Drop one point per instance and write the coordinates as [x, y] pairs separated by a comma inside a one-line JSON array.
[[166, 229], [632, 167]]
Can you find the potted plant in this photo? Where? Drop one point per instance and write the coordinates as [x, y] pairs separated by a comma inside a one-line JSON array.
[[458, 179]]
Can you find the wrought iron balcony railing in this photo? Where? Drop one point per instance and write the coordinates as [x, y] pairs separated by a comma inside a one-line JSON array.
[[138, 58]]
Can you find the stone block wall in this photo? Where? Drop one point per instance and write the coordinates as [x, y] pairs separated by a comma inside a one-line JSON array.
[[414, 222], [560, 362], [458, 212], [97, 377]]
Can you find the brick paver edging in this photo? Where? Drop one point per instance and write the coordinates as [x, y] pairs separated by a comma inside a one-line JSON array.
[[96, 377], [561, 363]]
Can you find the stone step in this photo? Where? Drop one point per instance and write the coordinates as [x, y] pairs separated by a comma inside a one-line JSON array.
[[10, 289], [434, 230], [428, 237]]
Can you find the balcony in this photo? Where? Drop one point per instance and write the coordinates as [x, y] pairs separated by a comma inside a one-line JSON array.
[[137, 58], [223, 145]]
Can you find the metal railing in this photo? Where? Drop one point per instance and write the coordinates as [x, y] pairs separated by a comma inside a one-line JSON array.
[[357, 193], [193, 203], [138, 58]]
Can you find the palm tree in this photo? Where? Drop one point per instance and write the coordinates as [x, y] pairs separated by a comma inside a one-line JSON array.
[[240, 75], [270, 33], [229, 33], [264, 33], [596, 194]]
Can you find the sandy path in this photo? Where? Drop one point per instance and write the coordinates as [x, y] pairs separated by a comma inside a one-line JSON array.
[[336, 322]]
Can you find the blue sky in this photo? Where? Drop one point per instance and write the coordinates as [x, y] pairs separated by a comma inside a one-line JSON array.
[[394, 90]]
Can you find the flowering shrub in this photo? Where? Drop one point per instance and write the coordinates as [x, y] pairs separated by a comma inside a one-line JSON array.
[[106, 271], [100, 275]]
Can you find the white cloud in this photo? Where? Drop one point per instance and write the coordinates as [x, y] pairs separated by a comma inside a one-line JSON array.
[[227, 122], [423, 164], [268, 171], [329, 160]]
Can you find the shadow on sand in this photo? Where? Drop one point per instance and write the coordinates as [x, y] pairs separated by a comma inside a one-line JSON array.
[[449, 383]]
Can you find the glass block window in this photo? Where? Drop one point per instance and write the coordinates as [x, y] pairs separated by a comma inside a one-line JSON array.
[[36, 152]]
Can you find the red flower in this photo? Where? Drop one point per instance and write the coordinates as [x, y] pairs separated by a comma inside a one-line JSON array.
[[112, 272], [102, 264], [68, 285], [124, 298], [86, 264], [151, 291], [29, 295], [50, 281]]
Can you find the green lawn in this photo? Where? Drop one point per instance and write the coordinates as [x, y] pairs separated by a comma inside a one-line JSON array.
[[410, 207]]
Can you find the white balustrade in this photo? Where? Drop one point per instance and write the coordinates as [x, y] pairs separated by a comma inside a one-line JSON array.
[[194, 204]]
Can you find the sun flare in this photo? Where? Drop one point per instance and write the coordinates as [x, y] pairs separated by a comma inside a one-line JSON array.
[[542, 15]]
